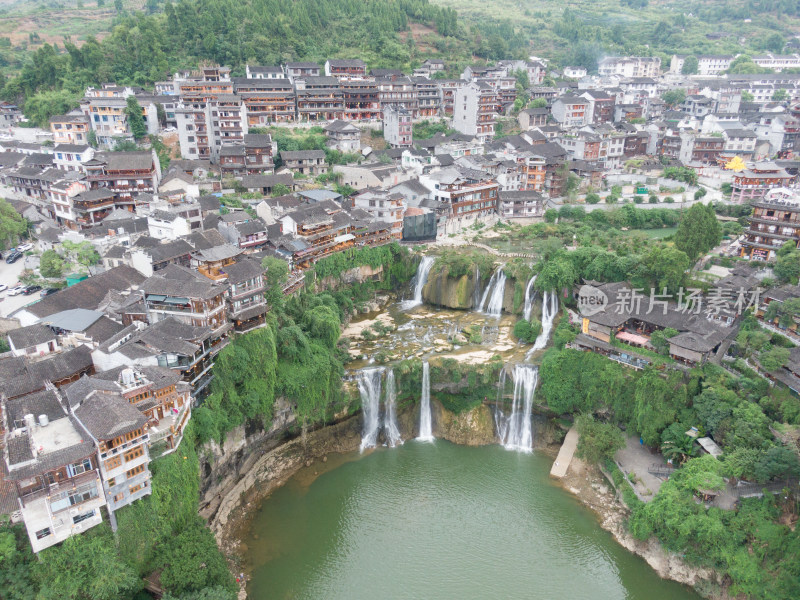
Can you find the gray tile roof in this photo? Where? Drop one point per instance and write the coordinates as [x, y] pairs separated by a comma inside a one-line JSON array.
[[45, 402], [243, 269], [33, 335], [107, 416], [89, 293]]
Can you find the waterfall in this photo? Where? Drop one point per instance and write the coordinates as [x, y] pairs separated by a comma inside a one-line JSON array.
[[476, 294], [425, 425], [390, 416], [515, 432], [529, 295], [420, 279], [492, 301], [549, 312], [369, 386]]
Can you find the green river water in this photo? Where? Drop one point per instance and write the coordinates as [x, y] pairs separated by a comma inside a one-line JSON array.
[[438, 521]]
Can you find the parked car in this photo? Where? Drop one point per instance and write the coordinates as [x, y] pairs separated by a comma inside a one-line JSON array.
[[24, 247], [17, 289], [3, 287], [31, 289], [48, 291], [13, 257]]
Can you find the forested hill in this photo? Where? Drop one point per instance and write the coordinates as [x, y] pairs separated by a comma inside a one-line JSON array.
[[143, 48]]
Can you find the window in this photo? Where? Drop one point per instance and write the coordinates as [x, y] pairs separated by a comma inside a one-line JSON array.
[[113, 463], [82, 517], [119, 497], [43, 533], [133, 454], [136, 488], [79, 467], [134, 472], [112, 482]]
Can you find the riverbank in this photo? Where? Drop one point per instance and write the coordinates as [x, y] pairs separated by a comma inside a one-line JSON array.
[[595, 491]]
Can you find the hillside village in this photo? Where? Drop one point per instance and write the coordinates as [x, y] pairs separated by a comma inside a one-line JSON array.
[[102, 375]]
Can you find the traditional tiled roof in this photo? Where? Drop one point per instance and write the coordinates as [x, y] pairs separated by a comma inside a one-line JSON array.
[[89, 293], [107, 416], [33, 335]]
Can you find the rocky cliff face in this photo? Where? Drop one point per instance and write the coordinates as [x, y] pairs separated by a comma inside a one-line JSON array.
[[459, 292], [469, 428], [450, 292], [351, 276]]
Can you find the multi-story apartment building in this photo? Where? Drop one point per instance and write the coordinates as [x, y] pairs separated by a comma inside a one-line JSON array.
[[131, 176], [474, 111], [70, 129], [601, 106], [343, 136], [713, 64], [397, 125], [267, 101], [52, 462], [775, 221], [71, 157], [294, 70], [259, 151], [521, 204], [572, 111], [778, 62], [119, 432], [398, 90], [629, 66], [196, 131], [429, 96], [345, 68], [307, 162], [383, 205], [156, 392], [320, 104], [361, 100], [247, 307], [187, 296], [448, 88], [256, 72], [228, 123], [754, 182]]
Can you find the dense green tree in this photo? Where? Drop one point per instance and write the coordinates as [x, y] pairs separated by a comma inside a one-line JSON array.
[[689, 66], [674, 97], [85, 567], [787, 267], [698, 232], [598, 441], [51, 264], [777, 461], [276, 273], [12, 225], [194, 563], [657, 401], [135, 118]]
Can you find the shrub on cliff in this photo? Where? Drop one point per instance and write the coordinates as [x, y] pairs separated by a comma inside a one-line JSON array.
[[527, 331]]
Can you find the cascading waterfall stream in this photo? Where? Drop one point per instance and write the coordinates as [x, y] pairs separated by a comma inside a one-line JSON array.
[[390, 414], [476, 294], [420, 279], [369, 386], [515, 432], [529, 296], [492, 301], [425, 424], [549, 312]]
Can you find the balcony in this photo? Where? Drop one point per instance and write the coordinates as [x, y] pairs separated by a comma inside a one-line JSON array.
[[126, 446]]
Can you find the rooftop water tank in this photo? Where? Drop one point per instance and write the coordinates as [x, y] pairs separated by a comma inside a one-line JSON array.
[[43, 421]]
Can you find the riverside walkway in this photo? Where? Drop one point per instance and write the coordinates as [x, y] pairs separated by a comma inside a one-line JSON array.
[[565, 454]]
